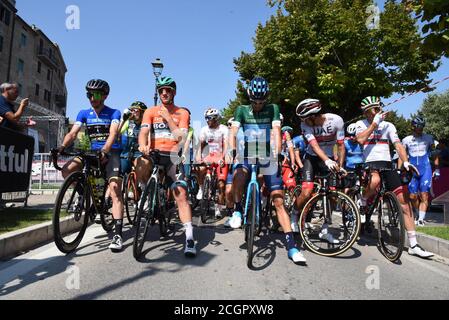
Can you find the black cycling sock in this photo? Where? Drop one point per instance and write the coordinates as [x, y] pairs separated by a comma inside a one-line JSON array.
[[238, 207], [229, 211], [118, 226], [290, 238]]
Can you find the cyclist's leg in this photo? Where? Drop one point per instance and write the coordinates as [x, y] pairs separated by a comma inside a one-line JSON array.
[[73, 165], [307, 185], [413, 188], [143, 171], [114, 178], [241, 175], [424, 189], [222, 175]]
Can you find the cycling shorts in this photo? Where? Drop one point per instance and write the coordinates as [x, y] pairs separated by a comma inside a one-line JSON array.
[[423, 183], [272, 182]]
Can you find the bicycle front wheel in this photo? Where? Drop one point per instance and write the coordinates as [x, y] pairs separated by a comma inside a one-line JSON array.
[[70, 217], [205, 203], [131, 197], [391, 228], [250, 226], [143, 217], [329, 223]]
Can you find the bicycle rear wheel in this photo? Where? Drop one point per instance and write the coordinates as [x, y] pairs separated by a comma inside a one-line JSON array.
[[70, 217], [131, 198], [144, 216], [205, 203], [391, 229], [250, 226], [193, 191], [339, 217]]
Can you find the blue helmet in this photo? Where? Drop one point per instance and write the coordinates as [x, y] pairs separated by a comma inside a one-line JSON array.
[[258, 89], [419, 122]]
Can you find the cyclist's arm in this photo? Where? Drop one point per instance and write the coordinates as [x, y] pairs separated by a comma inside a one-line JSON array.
[[290, 147], [402, 153], [318, 151], [298, 158], [363, 136], [341, 154], [71, 136], [144, 133]]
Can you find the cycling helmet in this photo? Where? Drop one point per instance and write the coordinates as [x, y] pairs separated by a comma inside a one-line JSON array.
[[281, 117], [287, 129], [166, 82], [351, 129], [419, 122], [98, 85], [213, 113], [371, 102], [138, 105], [308, 107], [230, 121], [258, 89]]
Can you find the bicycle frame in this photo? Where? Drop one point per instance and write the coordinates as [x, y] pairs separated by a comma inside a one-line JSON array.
[[253, 181]]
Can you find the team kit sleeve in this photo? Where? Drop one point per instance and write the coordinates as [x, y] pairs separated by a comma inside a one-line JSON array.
[[276, 116], [80, 119], [308, 133], [392, 134], [116, 116], [147, 120], [340, 130], [238, 117]]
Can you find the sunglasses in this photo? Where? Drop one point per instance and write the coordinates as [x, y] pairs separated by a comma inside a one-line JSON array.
[[211, 118], [258, 102], [95, 95], [134, 110]]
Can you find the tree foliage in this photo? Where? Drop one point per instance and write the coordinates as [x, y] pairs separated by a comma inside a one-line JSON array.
[[435, 110], [324, 49]]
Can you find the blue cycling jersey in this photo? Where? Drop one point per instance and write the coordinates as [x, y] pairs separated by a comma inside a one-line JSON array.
[[354, 154], [300, 144], [98, 126], [419, 149]]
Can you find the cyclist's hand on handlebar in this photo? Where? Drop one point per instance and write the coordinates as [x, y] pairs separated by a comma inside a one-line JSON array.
[[104, 157], [145, 150], [343, 172], [332, 165], [410, 167], [60, 149]]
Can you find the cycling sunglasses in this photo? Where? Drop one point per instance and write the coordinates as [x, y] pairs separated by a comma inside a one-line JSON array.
[[96, 95], [210, 118]]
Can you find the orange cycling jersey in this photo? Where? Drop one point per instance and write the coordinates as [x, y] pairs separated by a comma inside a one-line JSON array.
[[161, 137]]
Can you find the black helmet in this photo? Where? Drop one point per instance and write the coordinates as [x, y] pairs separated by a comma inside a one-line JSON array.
[[138, 105], [98, 85], [258, 89]]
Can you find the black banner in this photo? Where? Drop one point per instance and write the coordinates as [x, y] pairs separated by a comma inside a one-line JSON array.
[[16, 159]]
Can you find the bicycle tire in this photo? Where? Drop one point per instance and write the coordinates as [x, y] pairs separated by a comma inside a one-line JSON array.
[[250, 227], [307, 212], [193, 191], [131, 185], [397, 217], [205, 202], [163, 215], [143, 219], [61, 244]]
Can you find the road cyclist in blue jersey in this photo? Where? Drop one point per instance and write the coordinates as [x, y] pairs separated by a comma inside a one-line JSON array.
[[102, 124]]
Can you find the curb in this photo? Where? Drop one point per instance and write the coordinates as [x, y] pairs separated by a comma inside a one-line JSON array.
[[17, 242], [433, 244]]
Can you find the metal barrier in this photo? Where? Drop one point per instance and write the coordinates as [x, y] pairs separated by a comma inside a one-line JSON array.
[[43, 175]]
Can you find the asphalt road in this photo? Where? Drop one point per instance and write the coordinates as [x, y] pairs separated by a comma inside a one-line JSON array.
[[218, 272]]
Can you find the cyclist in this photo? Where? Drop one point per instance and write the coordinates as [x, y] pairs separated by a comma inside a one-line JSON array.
[[129, 130], [419, 147], [322, 131], [102, 125], [257, 121], [164, 128], [213, 145], [375, 134], [354, 156]]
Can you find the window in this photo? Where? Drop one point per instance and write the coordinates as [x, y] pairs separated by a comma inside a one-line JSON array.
[[41, 46], [23, 40], [20, 66], [47, 96], [5, 15], [39, 66], [48, 74], [1, 43], [37, 90]]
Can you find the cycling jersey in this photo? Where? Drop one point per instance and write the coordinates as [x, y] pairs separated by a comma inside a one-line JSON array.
[[354, 154], [327, 135], [419, 149], [377, 147], [98, 126], [257, 129], [299, 144], [129, 136], [216, 139], [162, 138]]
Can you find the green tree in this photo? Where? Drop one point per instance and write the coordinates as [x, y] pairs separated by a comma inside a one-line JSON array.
[[82, 143], [435, 110], [324, 49], [434, 15]]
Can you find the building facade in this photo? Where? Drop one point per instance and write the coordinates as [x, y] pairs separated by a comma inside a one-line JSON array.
[[29, 58]]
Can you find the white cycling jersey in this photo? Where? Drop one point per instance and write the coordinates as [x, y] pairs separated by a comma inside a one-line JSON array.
[[327, 135], [377, 147], [215, 139], [419, 148]]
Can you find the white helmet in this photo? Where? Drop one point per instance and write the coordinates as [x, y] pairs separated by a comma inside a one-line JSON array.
[[230, 121], [281, 117], [211, 112], [351, 129], [308, 107]]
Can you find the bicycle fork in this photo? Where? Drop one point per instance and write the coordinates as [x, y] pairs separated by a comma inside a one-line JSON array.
[[252, 182]]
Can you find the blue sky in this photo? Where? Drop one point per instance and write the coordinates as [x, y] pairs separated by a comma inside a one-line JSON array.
[[197, 41]]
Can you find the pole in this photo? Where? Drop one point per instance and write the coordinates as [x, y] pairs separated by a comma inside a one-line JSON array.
[[155, 94]]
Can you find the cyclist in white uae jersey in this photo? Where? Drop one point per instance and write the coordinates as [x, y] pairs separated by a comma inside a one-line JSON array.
[[322, 132], [375, 134], [419, 147]]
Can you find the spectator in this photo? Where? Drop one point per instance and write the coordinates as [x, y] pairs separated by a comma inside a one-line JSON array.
[[11, 118]]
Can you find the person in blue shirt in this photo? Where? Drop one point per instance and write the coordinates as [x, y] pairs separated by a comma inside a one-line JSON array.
[[10, 117], [354, 157], [102, 125]]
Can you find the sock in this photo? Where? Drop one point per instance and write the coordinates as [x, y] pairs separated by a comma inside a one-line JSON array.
[[290, 238], [238, 207], [189, 231], [412, 238], [422, 215], [118, 226]]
